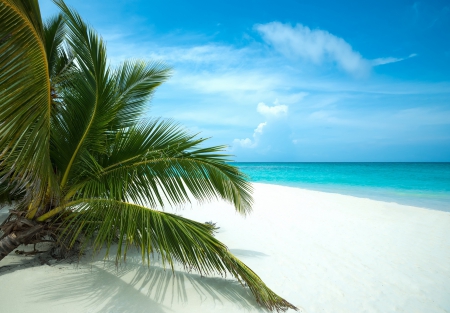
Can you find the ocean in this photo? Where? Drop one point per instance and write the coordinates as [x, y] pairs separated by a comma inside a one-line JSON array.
[[424, 185]]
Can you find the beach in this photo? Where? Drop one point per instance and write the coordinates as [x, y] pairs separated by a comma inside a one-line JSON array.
[[323, 252]]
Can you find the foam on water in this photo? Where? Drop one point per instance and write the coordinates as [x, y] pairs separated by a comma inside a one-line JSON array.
[[418, 184]]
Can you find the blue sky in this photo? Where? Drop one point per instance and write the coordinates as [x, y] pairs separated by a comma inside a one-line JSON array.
[[294, 80]]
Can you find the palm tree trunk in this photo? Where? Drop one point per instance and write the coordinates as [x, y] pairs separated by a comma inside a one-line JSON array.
[[13, 240]]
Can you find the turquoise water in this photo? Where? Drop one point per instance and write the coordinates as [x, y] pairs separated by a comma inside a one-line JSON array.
[[418, 184]]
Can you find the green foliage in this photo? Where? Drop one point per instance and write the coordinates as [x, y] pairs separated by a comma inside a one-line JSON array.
[[25, 98], [77, 154]]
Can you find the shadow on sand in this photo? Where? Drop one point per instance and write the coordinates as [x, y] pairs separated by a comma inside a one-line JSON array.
[[247, 253], [134, 288]]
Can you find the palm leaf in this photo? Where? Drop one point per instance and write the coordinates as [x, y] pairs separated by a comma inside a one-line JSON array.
[[156, 161], [25, 108], [174, 238], [54, 33], [135, 83], [89, 106]]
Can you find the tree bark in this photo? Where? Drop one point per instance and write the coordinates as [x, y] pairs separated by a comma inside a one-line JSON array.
[[13, 240]]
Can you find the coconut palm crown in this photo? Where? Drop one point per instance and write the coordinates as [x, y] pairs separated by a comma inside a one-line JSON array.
[[81, 165]]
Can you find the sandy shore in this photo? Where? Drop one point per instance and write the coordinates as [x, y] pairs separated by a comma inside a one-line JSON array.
[[323, 252]]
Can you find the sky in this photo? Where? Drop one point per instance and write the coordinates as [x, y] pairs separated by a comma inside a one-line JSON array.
[[291, 80]]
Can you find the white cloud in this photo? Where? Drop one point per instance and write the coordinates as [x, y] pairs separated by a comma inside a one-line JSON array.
[[227, 81], [319, 46], [247, 142], [209, 53], [382, 61], [275, 110], [259, 129], [316, 45]]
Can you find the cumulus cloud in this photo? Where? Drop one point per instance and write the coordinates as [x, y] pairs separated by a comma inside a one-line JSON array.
[[268, 111], [275, 110], [259, 129], [246, 143], [249, 143]]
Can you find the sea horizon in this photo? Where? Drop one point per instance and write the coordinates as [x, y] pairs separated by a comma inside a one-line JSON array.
[[338, 162], [420, 184]]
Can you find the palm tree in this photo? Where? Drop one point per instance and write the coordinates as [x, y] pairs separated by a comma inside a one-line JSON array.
[[83, 167]]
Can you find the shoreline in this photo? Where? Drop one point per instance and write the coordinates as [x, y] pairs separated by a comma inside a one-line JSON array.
[[320, 251], [364, 195]]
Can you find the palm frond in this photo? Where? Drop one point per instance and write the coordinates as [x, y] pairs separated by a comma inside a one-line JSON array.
[[175, 238], [54, 33], [156, 161], [25, 108], [89, 107], [135, 83]]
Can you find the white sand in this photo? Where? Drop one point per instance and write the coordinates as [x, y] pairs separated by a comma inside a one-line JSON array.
[[323, 252]]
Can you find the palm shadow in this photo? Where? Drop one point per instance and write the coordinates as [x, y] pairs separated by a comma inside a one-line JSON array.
[[134, 288], [15, 262], [19, 264], [247, 253]]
